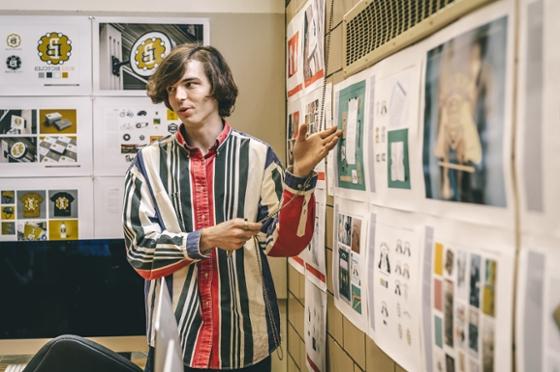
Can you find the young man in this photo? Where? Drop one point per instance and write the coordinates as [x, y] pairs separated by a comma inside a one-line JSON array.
[[200, 210]]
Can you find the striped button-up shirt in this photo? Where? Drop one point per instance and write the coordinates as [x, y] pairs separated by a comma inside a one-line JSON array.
[[225, 305]]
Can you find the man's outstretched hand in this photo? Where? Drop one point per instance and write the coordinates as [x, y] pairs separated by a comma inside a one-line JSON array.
[[310, 150]]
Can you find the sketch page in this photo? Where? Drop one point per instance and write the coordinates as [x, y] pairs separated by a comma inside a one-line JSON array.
[[315, 327], [468, 297], [108, 196], [396, 134], [45, 137], [128, 50], [394, 285], [315, 266], [351, 115], [315, 117], [53, 209], [538, 133], [45, 55], [538, 305], [467, 106], [123, 125], [313, 44], [294, 55], [350, 228]]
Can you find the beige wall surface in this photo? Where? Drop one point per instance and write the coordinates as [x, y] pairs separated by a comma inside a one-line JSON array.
[[171, 6]]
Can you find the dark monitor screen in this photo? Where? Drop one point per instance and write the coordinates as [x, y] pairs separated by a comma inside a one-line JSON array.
[[83, 287]]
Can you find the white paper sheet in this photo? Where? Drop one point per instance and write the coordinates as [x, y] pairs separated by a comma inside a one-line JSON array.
[[538, 305], [394, 285], [313, 40], [108, 194], [538, 133], [352, 116], [45, 55], [123, 125], [350, 227], [467, 141], [294, 55], [315, 327], [468, 296], [52, 209]]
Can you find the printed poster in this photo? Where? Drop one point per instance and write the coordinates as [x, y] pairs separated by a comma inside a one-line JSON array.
[[127, 51], [45, 137], [124, 125], [294, 55], [538, 305], [315, 264], [396, 138], [538, 133], [315, 327], [351, 114], [394, 262], [313, 44], [57, 209], [45, 55], [466, 112], [350, 227], [469, 273]]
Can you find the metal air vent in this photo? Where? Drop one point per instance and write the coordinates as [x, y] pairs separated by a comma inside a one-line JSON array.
[[374, 29]]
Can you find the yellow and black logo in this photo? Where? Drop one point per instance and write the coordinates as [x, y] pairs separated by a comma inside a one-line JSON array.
[[148, 52], [54, 48]]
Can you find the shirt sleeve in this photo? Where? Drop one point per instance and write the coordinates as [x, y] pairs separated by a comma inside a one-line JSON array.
[[290, 231], [152, 250]]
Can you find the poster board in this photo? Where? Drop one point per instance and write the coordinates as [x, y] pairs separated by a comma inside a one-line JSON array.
[[128, 50], [45, 55]]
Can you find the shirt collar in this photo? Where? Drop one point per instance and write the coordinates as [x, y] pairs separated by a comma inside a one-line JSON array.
[[182, 138]]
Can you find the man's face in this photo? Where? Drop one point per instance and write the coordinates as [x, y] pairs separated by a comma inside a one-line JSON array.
[[190, 96]]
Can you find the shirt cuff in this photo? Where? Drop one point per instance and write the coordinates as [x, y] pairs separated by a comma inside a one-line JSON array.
[[193, 246], [300, 185]]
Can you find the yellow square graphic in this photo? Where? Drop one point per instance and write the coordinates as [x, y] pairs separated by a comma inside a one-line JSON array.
[[65, 74], [438, 259], [58, 121], [171, 115], [63, 229]]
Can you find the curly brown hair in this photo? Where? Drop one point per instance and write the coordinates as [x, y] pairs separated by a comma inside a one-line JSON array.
[[173, 67]]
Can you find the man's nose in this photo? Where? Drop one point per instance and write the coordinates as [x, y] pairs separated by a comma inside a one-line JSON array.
[[181, 93]]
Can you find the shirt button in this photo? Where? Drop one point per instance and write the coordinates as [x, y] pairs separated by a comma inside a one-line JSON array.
[[207, 304], [205, 275]]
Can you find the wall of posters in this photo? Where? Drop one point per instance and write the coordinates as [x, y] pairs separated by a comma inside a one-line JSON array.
[[315, 327], [55, 209], [466, 113], [129, 50], [468, 309], [45, 55], [350, 227], [124, 126], [394, 285], [538, 305], [45, 137]]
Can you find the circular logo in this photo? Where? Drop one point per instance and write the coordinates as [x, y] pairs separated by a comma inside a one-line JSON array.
[[13, 62], [13, 40], [148, 52], [54, 48]]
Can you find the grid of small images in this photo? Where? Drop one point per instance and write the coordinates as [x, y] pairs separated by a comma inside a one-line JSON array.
[[140, 127], [39, 215], [348, 239], [38, 135], [464, 310]]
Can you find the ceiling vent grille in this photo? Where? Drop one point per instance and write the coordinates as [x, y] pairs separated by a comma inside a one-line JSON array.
[[374, 29]]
